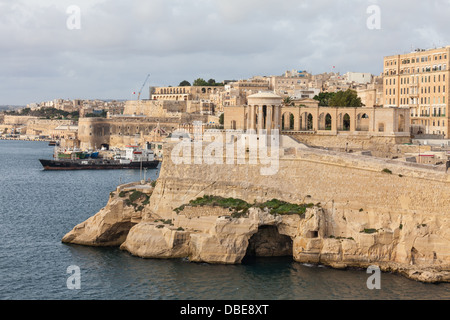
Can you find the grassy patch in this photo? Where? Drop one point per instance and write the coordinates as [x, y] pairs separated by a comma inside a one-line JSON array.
[[276, 206], [123, 194], [147, 200], [341, 238], [369, 231], [386, 171], [240, 207], [135, 195]]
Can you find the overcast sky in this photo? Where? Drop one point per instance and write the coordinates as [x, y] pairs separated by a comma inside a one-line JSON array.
[[45, 54]]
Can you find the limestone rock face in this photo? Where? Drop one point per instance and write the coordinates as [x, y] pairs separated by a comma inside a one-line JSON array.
[[109, 227], [398, 221], [150, 240]]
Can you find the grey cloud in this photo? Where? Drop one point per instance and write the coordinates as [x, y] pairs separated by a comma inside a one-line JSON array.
[[121, 41]]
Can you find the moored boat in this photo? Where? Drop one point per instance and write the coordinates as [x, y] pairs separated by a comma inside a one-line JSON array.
[[134, 158]]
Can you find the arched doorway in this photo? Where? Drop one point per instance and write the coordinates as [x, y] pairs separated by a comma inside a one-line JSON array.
[[346, 122], [310, 122], [328, 120], [287, 121], [362, 122], [325, 121]]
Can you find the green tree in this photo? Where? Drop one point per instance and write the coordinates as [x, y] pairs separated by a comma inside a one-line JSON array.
[[25, 111], [348, 98], [221, 118], [184, 83], [200, 83], [324, 98]]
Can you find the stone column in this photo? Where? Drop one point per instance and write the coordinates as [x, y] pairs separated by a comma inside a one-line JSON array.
[[297, 121], [251, 117], [277, 118], [260, 118], [269, 119]]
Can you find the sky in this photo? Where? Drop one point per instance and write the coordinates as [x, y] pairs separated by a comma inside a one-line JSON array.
[[104, 49]]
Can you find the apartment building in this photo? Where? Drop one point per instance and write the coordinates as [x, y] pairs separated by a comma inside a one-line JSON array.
[[419, 81]]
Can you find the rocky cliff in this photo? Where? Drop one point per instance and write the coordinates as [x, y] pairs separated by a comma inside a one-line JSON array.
[[343, 211]]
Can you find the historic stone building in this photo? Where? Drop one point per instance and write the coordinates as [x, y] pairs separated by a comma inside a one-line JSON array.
[[184, 93], [419, 81], [266, 111]]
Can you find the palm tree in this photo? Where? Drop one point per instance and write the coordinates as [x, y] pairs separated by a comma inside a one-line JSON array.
[[288, 101]]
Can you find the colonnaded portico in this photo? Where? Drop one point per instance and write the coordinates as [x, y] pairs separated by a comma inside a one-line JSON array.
[[266, 111]]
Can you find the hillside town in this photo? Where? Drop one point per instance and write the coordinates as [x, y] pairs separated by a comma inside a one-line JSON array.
[[406, 103]]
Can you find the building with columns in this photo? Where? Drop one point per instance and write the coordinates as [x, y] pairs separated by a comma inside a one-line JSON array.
[[266, 111], [262, 112]]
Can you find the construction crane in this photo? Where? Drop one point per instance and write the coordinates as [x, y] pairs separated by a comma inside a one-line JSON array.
[[140, 91]]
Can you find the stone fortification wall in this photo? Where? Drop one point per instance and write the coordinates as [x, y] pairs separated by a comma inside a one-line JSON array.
[[347, 180], [17, 120], [46, 126], [153, 108], [380, 146], [366, 211]]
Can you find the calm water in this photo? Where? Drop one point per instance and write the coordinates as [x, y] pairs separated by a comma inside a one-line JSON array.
[[37, 208]]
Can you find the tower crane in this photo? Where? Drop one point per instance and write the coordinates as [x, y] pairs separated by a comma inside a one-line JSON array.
[[140, 91]]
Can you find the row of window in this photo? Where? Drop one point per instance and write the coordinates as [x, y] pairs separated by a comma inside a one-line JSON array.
[[427, 101], [435, 57], [405, 101], [424, 79], [428, 123], [418, 70], [423, 90]]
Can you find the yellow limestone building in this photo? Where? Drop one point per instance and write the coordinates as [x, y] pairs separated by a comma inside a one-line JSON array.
[[266, 111], [419, 81]]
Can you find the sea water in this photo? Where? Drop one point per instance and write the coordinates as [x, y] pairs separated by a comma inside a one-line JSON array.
[[37, 208]]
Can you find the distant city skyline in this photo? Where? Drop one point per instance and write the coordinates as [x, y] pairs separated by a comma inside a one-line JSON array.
[[104, 49]]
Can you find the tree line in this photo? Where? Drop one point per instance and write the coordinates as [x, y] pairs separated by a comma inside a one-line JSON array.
[[201, 83], [348, 98]]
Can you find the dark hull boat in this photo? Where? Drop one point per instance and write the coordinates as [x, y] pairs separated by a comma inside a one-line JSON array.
[[96, 164]]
